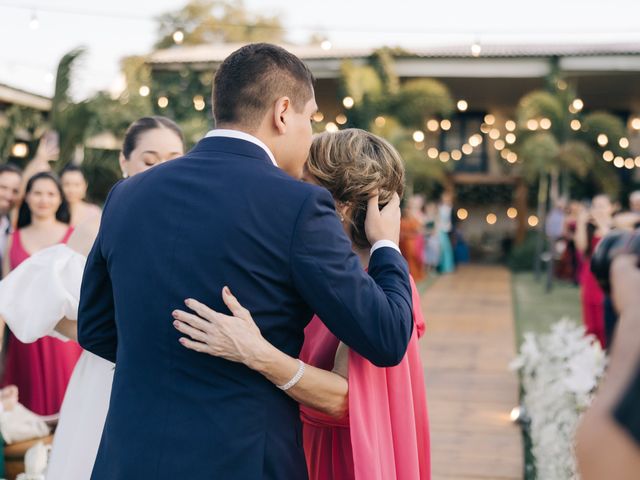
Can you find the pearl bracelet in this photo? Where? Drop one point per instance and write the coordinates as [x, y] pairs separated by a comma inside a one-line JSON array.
[[296, 378]]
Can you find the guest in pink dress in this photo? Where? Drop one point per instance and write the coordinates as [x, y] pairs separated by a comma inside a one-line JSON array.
[[40, 370], [592, 226], [359, 421]]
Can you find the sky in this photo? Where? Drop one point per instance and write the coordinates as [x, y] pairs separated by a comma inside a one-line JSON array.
[[114, 29]]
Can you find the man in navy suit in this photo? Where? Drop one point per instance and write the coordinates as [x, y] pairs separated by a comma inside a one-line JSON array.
[[231, 212]]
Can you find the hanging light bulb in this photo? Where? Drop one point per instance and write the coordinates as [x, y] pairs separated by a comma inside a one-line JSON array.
[[603, 140], [462, 105], [178, 37], [34, 23], [476, 49]]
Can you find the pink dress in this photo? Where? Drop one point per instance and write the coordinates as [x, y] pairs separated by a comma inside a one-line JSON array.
[[41, 369], [385, 434], [592, 299]]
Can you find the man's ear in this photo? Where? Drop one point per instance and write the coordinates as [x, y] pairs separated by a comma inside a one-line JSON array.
[[123, 162], [280, 113]]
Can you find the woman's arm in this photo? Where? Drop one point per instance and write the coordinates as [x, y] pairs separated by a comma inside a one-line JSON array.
[[68, 328], [238, 339], [581, 237]]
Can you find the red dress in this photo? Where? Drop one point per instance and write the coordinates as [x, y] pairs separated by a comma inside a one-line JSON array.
[[385, 434], [41, 369], [592, 298]]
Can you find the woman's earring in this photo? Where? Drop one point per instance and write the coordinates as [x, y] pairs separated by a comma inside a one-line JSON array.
[[341, 218], [125, 175]]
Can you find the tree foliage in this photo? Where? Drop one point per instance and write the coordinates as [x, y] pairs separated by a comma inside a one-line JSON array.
[[217, 21]]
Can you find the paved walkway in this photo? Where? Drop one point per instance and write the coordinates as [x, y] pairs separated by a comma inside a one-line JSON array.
[[468, 345]]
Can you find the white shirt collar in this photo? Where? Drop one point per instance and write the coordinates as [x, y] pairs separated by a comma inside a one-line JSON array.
[[225, 132]]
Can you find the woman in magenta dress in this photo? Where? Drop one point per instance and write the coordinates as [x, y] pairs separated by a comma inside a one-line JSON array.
[[42, 369], [359, 421], [591, 227]]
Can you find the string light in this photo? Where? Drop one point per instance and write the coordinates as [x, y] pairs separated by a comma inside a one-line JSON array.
[[499, 144], [629, 163], [492, 218], [198, 103], [418, 136], [510, 138], [545, 123], [19, 150], [512, 157], [144, 91], [533, 221], [576, 105], [608, 156], [326, 45], [331, 127], [510, 125], [462, 214], [348, 102], [467, 149], [475, 140], [34, 23], [341, 119], [512, 212], [635, 123], [637, 161], [575, 124], [318, 117], [444, 157], [624, 142], [603, 140], [456, 155], [178, 37], [618, 162], [462, 105], [476, 49], [380, 121], [445, 124], [532, 124], [163, 102], [432, 153], [494, 134], [432, 125], [489, 119]]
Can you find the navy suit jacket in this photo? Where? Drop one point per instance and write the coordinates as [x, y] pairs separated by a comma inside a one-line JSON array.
[[223, 215]]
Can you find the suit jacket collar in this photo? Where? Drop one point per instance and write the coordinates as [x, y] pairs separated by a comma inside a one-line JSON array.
[[232, 145]]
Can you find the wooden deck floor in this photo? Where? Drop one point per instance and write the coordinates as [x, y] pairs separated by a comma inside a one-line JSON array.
[[468, 345]]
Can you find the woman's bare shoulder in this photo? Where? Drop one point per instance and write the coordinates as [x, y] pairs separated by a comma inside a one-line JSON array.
[[83, 236]]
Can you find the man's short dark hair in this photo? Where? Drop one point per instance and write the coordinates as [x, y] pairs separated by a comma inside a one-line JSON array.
[[252, 78], [10, 168]]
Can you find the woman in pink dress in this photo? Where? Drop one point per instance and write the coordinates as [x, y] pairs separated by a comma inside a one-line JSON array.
[[41, 370], [591, 227], [359, 421]]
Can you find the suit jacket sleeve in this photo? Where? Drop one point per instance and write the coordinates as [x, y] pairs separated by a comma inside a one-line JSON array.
[[371, 313], [96, 313]]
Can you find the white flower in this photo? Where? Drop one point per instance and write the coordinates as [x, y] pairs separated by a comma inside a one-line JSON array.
[[560, 371]]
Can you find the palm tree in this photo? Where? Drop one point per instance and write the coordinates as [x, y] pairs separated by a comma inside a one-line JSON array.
[[556, 142], [70, 119], [396, 110]]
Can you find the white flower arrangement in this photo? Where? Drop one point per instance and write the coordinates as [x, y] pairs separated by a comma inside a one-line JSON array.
[[560, 371]]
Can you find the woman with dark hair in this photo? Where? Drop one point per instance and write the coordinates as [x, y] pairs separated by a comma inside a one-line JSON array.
[[592, 225], [41, 370], [74, 185], [53, 278]]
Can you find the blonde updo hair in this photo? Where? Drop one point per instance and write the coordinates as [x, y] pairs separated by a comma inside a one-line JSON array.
[[353, 165]]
